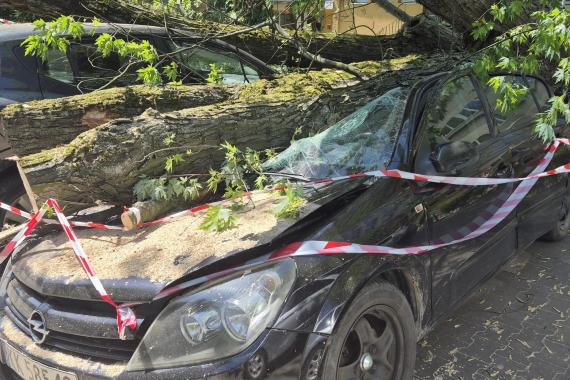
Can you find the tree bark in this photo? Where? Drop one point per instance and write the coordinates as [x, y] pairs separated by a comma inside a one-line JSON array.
[[36, 126], [263, 43], [104, 163]]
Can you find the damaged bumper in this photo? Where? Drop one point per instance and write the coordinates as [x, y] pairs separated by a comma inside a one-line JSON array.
[[279, 353]]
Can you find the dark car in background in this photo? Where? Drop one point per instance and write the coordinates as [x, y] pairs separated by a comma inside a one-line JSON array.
[[83, 69], [333, 316]]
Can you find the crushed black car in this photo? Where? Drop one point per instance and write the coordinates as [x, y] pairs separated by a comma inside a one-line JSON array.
[[345, 316]]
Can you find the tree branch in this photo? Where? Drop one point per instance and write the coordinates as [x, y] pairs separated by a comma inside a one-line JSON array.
[[394, 10], [325, 62]]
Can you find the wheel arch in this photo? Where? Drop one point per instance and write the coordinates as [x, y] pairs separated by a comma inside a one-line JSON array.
[[409, 275]]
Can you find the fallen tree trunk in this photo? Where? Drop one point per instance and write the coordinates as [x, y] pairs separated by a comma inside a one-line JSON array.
[[263, 43], [104, 163], [35, 126]]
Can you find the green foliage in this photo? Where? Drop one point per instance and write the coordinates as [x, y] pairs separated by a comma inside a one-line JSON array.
[[59, 34], [290, 206], [525, 49], [52, 35], [149, 75], [168, 186], [215, 75], [218, 219]]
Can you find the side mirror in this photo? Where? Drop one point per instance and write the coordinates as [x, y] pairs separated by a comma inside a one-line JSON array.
[[451, 158]]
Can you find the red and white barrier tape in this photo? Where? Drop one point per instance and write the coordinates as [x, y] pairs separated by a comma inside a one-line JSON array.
[[472, 231], [329, 247], [125, 315], [27, 215]]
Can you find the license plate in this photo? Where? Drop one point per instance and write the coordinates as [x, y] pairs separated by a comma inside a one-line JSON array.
[[29, 369]]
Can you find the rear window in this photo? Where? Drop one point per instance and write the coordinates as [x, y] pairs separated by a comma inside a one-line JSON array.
[[94, 70], [199, 60]]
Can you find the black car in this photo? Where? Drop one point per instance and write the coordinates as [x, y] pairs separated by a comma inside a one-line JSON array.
[[83, 69], [336, 316]]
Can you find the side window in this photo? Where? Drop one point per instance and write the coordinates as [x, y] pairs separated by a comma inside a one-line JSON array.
[[453, 125], [540, 91], [524, 114], [57, 66], [17, 81], [93, 70], [199, 59]]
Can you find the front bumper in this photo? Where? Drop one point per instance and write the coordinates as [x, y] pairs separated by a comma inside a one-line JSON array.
[[286, 355]]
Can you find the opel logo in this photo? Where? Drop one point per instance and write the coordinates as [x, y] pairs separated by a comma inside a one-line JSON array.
[[37, 326]]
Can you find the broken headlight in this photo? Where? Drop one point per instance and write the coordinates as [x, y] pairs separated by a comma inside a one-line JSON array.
[[216, 322]]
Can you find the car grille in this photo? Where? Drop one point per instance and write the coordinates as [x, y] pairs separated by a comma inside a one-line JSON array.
[[87, 328]]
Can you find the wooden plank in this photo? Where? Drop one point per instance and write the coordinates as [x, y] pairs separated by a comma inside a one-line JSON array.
[[26, 183]]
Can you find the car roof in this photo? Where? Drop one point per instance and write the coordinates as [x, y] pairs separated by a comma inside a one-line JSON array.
[[19, 31]]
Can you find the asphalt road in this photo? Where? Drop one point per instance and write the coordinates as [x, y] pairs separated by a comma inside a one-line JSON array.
[[517, 326]]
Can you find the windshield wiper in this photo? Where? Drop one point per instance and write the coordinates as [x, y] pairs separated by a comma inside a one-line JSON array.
[[299, 177]]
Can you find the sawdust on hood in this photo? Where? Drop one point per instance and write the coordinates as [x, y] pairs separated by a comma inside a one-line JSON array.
[[160, 253]]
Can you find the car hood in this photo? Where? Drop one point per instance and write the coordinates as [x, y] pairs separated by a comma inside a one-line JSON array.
[[135, 266]]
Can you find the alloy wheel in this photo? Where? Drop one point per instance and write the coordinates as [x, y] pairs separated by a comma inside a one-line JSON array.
[[374, 347]]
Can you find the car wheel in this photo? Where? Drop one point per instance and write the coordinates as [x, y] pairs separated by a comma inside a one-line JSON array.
[[12, 191], [376, 338]]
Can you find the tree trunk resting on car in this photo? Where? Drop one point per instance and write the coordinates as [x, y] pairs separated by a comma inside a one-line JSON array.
[[35, 126], [104, 163], [422, 35]]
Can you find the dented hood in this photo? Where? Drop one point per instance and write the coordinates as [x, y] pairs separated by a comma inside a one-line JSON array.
[[135, 266]]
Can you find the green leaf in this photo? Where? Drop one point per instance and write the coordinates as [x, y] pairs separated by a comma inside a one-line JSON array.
[[218, 219]]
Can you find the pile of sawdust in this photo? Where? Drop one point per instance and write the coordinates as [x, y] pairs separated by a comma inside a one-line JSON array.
[[160, 253]]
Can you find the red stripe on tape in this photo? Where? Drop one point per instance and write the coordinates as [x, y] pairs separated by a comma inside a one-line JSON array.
[[199, 208], [336, 244], [287, 250]]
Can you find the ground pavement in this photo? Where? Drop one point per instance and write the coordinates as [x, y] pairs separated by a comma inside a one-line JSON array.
[[517, 326]]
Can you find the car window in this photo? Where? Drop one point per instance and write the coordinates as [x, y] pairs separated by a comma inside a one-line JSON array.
[[57, 66], [199, 59], [17, 83], [455, 114], [94, 70], [523, 114]]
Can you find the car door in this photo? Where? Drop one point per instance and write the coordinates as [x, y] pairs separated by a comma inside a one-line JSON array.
[[542, 206], [456, 138]]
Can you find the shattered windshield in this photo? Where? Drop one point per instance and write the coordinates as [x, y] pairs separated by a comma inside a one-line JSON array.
[[362, 141]]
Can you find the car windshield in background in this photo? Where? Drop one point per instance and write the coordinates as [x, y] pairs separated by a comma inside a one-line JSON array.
[[362, 141]]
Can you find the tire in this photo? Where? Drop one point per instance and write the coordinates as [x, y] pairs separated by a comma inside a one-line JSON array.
[[11, 191], [381, 314]]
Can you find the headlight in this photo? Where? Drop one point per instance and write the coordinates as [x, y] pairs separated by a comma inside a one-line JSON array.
[[216, 322]]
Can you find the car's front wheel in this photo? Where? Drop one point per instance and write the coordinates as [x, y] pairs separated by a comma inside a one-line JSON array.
[[376, 338]]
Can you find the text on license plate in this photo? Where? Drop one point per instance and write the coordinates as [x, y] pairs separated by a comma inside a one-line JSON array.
[[30, 369]]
